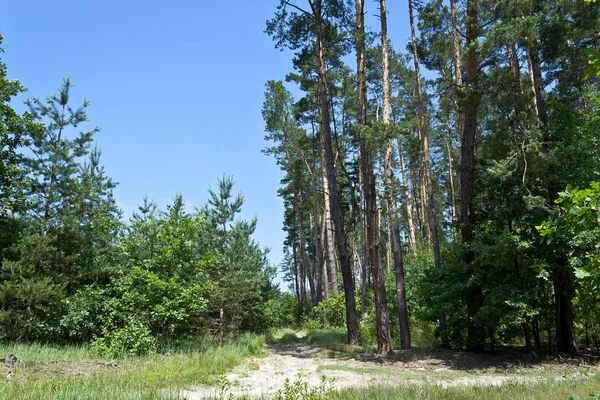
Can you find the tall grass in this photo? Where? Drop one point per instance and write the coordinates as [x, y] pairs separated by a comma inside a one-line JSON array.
[[41, 352], [559, 390], [46, 373]]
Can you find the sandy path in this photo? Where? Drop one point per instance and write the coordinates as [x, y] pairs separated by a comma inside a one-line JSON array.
[[283, 363], [267, 375]]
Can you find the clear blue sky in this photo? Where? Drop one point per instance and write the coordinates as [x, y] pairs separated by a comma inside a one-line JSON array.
[[176, 86]]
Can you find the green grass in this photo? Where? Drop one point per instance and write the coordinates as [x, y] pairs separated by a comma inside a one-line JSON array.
[[510, 391], [50, 374], [41, 352], [332, 341]]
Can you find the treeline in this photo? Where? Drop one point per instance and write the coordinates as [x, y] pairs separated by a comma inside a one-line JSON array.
[[440, 186], [72, 271]]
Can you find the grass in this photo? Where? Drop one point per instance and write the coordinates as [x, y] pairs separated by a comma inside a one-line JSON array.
[[70, 373], [332, 341], [41, 352], [67, 373], [510, 391]]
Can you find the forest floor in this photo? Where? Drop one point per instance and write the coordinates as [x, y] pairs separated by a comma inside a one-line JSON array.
[[258, 366], [315, 363]]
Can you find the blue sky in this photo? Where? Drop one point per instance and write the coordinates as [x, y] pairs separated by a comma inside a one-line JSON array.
[[177, 88]]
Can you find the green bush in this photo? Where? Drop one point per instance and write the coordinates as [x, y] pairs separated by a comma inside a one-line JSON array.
[[330, 313], [134, 339], [280, 312]]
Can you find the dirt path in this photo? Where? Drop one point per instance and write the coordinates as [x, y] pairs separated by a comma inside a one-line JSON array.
[[267, 375]]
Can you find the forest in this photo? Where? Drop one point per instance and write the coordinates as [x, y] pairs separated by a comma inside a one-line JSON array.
[[442, 193], [451, 184]]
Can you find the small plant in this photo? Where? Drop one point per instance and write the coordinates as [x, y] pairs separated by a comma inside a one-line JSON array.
[[301, 390], [223, 385]]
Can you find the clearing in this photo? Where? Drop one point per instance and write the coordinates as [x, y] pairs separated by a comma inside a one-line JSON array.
[[345, 367]]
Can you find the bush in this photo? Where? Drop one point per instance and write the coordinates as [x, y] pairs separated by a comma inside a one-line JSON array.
[[280, 312], [330, 313], [133, 340]]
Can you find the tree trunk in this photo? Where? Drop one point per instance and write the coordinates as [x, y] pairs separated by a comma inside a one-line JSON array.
[[394, 226], [384, 343], [317, 235], [334, 202], [451, 174], [563, 294], [328, 237], [537, 86], [412, 235], [527, 334], [221, 327], [331, 259], [322, 263], [587, 336], [302, 249], [536, 334], [429, 203], [457, 64], [547, 320], [475, 332], [296, 278]]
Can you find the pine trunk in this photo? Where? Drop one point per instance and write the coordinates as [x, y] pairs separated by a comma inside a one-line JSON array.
[[334, 202], [302, 250], [475, 333], [429, 203], [410, 221], [457, 63], [384, 343], [392, 217]]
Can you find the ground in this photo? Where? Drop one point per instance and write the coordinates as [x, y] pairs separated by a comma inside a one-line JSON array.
[[258, 366], [342, 369]]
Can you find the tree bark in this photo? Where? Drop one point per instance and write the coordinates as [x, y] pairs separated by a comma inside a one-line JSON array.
[[296, 278], [527, 334], [412, 235], [563, 292], [393, 224], [430, 202], [328, 237], [457, 63], [475, 332], [302, 249], [537, 86], [384, 343], [451, 174], [319, 259], [322, 263], [331, 259], [334, 202]]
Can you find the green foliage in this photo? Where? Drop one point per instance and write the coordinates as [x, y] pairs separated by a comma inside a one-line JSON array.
[[280, 311], [576, 227], [328, 314], [301, 390], [134, 339]]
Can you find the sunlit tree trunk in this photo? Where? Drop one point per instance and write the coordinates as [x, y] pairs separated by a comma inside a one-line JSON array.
[[429, 203], [334, 202], [384, 343], [393, 224], [410, 219], [302, 250]]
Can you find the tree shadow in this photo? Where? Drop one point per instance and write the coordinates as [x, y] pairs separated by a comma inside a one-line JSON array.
[[332, 345]]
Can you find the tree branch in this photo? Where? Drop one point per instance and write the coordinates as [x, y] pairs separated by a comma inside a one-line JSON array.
[[287, 3]]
